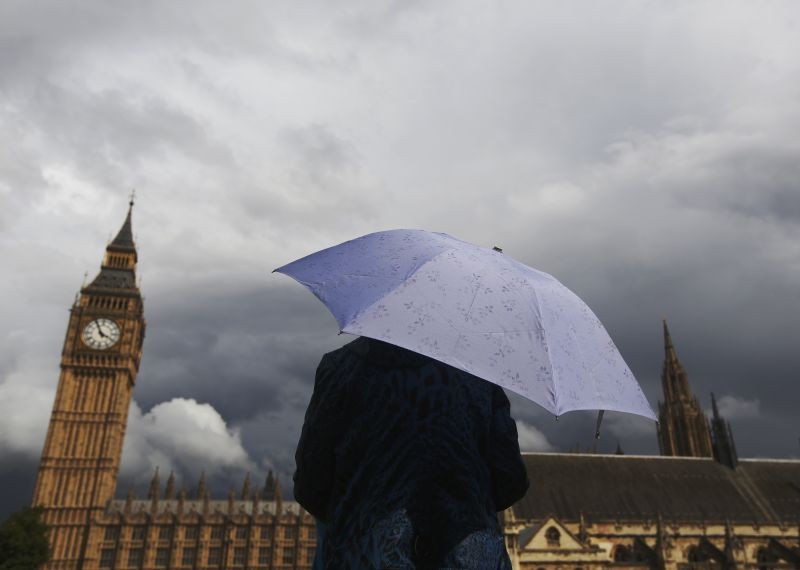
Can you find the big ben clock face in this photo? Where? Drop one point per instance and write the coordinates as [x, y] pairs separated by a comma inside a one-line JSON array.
[[101, 334]]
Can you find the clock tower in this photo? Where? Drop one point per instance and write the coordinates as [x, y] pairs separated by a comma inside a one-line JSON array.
[[99, 363]]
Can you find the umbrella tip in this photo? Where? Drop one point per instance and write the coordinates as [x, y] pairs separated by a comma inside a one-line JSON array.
[[497, 249]]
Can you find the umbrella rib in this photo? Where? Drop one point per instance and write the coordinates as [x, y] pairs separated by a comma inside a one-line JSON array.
[[472, 303], [547, 343], [393, 289]]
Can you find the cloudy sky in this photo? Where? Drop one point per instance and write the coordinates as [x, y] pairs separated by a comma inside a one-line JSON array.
[[645, 153]]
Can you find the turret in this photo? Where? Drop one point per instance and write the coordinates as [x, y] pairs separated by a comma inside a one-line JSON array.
[[722, 438], [682, 426]]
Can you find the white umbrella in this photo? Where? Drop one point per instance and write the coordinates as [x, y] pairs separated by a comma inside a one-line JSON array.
[[478, 310]]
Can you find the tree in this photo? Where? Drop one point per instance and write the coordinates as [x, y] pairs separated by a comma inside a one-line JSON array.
[[23, 540]]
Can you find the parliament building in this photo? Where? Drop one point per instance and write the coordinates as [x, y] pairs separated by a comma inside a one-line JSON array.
[[697, 506]]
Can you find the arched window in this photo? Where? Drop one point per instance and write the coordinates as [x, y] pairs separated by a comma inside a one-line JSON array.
[[622, 553], [766, 560], [553, 536], [694, 554]]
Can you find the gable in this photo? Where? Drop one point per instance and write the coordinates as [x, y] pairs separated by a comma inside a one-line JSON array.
[[550, 535]]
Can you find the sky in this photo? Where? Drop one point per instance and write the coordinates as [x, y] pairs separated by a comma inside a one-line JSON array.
[[644, 153]]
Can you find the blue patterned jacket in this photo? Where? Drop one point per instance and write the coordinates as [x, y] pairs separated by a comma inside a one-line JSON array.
[[390, 429]]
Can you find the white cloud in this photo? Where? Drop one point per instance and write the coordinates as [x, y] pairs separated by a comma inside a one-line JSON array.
[[531, 439], [181, 435], [24, 416], [736, 408]]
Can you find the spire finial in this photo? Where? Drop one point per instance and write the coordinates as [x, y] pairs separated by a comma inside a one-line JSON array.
[[133, 197]]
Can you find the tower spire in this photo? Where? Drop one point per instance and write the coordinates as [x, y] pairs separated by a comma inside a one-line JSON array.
[[169, 492], [269, 487], [118, 270], [201, 485], [682, 425], [246, 487], [154, 486], [124, 237]]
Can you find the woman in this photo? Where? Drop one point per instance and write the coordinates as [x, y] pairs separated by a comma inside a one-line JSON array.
[[406, 461]]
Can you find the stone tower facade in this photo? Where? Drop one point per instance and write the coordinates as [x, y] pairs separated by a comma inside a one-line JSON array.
[[99, 363], [682, 426]]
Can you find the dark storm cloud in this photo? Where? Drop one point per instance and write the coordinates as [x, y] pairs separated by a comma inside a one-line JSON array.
[[246, 348], [18, 474]]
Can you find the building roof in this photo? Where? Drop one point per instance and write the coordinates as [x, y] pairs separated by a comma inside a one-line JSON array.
[[114, 279], [124, 239], [631, 487]]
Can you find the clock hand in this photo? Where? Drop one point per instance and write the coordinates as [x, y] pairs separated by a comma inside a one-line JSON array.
[[100, 330]]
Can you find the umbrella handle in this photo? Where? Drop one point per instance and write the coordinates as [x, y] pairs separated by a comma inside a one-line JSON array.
[[597, 427]]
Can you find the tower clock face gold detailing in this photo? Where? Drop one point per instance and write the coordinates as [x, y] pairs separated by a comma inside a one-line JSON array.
[[101, 334]]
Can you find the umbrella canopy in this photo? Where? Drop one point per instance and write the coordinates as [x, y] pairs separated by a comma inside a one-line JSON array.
[[476, 309]]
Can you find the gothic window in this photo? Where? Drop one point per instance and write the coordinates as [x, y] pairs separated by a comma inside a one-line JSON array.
[[214, 556], [188, 556], [216, 532], [310, 553], [112, 533], [766, 560], [553, 536], [265, 533], [137, 533], [135, 556], [311, 533], [162, 557], [288, 555], [263, 556], [107, 556], [241, 532], [191, 532], [622, 554], [641, 552], [695, 554], [165, 533], [239, 556], [288, 532]]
